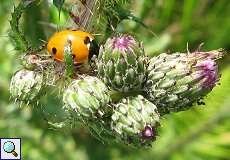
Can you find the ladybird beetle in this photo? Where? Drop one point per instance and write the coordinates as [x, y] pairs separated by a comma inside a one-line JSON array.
[[83, 45]]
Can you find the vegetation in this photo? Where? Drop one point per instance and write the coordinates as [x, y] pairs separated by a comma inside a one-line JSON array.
[[200, 133]]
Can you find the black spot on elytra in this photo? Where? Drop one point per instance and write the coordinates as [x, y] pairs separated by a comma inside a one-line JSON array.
[[54, 50], [87, 40]]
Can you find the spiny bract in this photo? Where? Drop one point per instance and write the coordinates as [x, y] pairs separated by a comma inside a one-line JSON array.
[[178, 80], [122, 63], [87, 98], [135, 121], [26, 85]]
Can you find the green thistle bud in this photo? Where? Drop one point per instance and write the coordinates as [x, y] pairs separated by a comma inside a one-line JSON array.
[[87, 98], [122, 64], [176, 81], [26, 85], [135, 121]]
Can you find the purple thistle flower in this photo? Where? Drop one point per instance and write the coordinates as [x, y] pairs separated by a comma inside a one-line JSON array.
[[148, 132], [208, 70], [123, 43]]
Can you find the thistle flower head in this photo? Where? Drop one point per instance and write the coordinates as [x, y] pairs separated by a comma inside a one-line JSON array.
[[122, 60], [26, 85], [87, 98], [135, 120], [178, 80], [123, 43], [208, 70]]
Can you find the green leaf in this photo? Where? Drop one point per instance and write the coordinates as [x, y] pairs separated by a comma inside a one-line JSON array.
[[68, 60], [58, 4], [17, 37]]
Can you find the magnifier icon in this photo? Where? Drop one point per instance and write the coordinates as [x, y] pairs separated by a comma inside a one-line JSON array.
[[9, 147]]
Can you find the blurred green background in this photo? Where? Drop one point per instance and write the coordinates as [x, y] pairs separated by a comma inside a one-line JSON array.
[[202, 133]]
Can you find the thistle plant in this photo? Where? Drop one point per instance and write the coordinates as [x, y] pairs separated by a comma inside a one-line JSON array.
[[178, 80], [135, 121], [16, 35], [124, 93], [121, 61], [26, 85], [87, 97]]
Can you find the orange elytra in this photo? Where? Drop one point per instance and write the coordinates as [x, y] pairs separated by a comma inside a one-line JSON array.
[[83, 45]]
